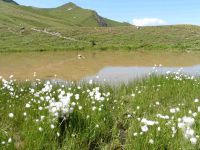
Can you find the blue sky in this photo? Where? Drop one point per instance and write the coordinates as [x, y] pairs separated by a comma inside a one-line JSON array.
[[139, 12]]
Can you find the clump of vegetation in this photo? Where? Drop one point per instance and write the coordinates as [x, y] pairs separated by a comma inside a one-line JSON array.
[[159, 112]]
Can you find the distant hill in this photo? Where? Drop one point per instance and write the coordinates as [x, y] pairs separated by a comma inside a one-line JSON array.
[[66, 15]]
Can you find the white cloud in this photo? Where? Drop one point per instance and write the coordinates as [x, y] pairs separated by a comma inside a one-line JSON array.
[[148, 22]]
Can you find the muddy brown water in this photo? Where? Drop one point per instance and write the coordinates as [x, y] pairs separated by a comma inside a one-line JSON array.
[[67, 66]]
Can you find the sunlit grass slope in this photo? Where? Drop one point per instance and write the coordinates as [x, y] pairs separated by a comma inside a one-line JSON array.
[[90, 31]]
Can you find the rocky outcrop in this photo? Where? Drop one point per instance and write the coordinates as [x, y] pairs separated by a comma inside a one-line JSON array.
[[100, 20]]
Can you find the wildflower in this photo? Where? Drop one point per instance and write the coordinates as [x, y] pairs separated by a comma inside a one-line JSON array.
[[172, 110], [11, 115], [133, 95], [40, 129], [162, 116], [77, 96], [196, 100], [190, 112], [42, 117], [9, 140], [94, 108], [73, 103], [24, 113], [194, 114], [199, 109], [135, 134], [80, 107], [157, 103], [97, 126], [58, 134], [3, 142], [148, 122], [151, 141], [52, 126], [129, 116], [28, 105], [193, 140], [144, 128]]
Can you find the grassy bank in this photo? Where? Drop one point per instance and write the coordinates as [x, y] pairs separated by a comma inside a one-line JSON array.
[[154, 113], [166, 38]]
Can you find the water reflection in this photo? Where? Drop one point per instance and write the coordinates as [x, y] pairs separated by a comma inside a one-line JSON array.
[[125, 74]]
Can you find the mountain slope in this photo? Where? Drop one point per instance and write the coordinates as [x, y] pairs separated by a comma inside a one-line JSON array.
[[66, 15], [10, 1]]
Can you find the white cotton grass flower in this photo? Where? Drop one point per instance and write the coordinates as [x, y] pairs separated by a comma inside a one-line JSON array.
[[129, 116], [162, 116], [93, 108], [151, 141], [144, 128], [10, 140], [40, 108], [11, 115], [193, 140], [133, 95], [52, 126], [198, 108], [40, 129], [77, 97], [186, 125], [25, 114], [148, 122], [157, 103], [174, 110], [80, 107], [135, 134], [196, 100], [73, 104], [27, 105], [3, 142], [58, 134]]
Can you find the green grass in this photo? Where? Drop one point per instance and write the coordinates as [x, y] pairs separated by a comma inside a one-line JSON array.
[[82, 24], [110, 123], [63, 16], [166, 38]]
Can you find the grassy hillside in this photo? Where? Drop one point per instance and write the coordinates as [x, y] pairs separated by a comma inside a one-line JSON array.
[[66, 15], [81, 29], [166, 38]]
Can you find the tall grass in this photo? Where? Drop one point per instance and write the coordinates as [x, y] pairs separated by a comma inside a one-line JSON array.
[[153, 113]]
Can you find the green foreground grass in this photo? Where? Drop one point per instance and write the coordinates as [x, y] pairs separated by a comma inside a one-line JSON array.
[[154, 113]]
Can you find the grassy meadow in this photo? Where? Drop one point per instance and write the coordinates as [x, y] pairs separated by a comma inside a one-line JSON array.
[[183, 38], [159, 112], [90, 31]]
